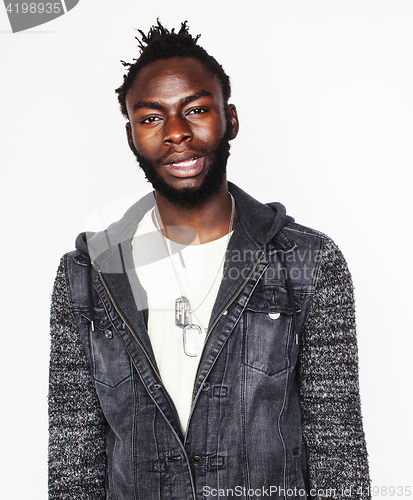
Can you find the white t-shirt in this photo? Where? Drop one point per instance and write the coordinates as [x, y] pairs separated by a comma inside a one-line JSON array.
[[197, 266]]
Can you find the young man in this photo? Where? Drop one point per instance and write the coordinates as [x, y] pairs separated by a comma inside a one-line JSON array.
[[204, 345]]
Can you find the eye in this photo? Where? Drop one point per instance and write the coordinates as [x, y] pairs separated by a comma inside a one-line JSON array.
[[150, 119], [196, 111]]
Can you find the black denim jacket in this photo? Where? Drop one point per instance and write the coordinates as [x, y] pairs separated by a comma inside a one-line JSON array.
[[276, 409]]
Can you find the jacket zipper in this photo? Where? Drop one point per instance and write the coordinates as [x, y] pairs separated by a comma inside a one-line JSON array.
[[122, 317], [129, 327], [234, 297], [223, 311]]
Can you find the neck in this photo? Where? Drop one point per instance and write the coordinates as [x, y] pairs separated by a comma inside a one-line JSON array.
[[210, 220]]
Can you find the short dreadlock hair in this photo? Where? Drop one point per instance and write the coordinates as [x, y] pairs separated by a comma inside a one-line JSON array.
[[160, 43]]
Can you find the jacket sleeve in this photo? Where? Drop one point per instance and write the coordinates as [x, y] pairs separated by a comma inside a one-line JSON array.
[[332, 422], [76, 422]]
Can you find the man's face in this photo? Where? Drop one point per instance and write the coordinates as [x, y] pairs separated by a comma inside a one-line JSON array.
[[179, 129]]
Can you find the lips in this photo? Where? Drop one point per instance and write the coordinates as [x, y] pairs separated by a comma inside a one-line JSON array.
[[181, 156], [185, 164]]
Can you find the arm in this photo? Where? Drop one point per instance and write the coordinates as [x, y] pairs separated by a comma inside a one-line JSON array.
[[76, 422], [332, 422]]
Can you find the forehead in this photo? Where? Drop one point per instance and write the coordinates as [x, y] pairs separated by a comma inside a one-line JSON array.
[[170, 80]]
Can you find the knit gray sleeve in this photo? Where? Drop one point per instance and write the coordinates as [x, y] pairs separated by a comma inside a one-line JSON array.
[[76, 422], [332, 422]]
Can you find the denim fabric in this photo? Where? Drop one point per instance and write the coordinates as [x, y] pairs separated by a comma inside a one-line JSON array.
[[244, 434]]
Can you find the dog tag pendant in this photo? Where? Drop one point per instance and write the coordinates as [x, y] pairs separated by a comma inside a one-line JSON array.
[[191, 336], [182, 312]]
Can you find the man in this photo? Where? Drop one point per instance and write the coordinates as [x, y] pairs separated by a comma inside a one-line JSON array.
[[204, 345]]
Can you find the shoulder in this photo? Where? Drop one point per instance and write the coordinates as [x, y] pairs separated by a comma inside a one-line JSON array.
[[306, 237]]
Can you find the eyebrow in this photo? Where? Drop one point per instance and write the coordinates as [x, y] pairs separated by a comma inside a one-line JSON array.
[[156, 105]]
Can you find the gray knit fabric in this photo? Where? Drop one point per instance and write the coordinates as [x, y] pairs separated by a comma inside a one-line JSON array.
[[332, 427], [332, 424], [76, 423]]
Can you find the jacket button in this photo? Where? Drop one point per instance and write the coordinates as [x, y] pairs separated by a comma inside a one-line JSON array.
[[196, 460], [206, 386], [274, 315], [108, 334]]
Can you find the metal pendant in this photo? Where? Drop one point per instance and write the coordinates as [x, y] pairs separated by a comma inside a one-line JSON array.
[[191, 335], [183, 314]]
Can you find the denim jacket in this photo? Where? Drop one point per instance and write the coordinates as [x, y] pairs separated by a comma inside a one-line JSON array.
[[276, 409]]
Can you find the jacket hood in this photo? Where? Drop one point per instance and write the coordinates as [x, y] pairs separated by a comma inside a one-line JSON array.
[[260, 222]]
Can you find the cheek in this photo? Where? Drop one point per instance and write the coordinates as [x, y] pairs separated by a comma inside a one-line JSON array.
[[145, 142], [210, 134]]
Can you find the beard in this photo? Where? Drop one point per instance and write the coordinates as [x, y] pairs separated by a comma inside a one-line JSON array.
[[190, 197]]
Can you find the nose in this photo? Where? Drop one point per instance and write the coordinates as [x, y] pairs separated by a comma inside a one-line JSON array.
[[177, 130]]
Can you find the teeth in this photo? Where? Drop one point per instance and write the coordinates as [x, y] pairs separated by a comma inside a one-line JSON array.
[[187, 163]]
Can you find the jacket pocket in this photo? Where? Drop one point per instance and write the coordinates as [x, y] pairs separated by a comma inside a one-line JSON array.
[[267, 330], [111, 362]]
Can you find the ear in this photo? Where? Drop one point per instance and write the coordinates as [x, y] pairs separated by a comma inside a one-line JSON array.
[[129, 136], [233, 120]]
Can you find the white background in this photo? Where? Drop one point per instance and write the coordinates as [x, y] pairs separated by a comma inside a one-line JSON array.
[[325, 101]]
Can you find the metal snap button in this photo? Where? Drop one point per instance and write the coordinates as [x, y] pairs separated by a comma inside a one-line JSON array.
[[108, 334], [274, 315], [196, 460], [224, 313], [206, 386]]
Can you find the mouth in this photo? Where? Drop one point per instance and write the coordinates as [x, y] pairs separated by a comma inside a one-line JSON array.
[[185, 163], [189, 167]]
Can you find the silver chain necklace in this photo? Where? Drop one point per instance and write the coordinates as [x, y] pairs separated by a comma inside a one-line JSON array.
[[191, 332]]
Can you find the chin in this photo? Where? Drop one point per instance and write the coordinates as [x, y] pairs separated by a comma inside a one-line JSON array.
[[188, 196]]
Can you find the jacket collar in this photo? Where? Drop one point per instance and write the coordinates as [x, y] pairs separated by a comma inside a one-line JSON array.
[[260, 222]]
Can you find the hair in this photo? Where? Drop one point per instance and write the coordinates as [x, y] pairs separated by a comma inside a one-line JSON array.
[[160, 43]]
